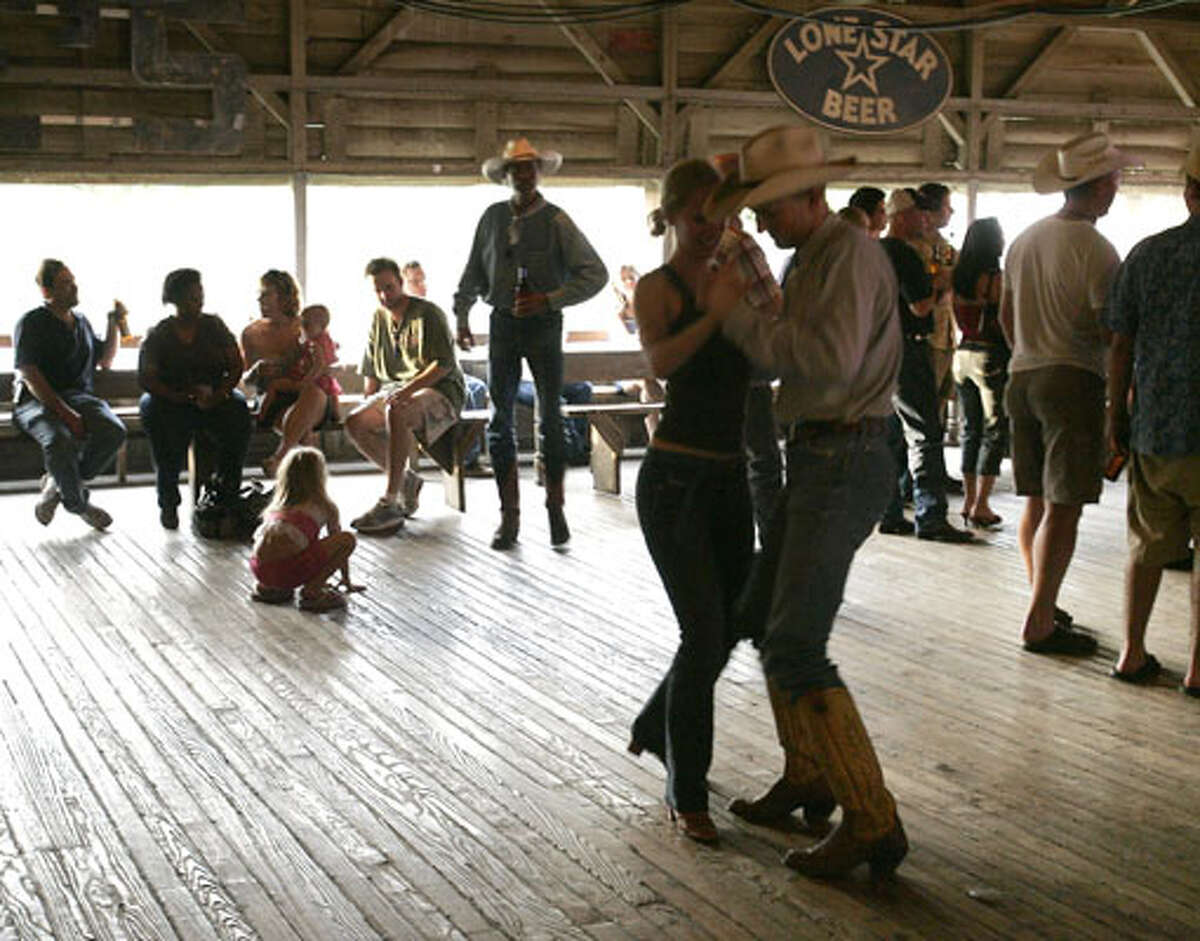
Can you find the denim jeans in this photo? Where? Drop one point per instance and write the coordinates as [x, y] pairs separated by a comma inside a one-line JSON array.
[[981, 376], [170, 426], [695, 515], [838, 483], [69, 460], [918, 407], [763, 461], [538, 340], [894, 512]]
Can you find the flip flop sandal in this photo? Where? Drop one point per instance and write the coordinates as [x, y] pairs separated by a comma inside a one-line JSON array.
[[1143, 674], [327, 599], [1064, 641]]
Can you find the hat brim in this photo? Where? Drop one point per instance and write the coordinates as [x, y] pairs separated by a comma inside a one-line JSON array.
[[1047, 180], [548, 162], [1191, 166], [732, 195]]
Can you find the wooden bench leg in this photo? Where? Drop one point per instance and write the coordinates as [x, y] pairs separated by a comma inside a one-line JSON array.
[[608, 444], [122, 464]]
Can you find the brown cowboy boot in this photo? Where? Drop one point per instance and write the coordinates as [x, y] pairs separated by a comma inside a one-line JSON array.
[[870, 830], [560, 532], [505, 536], [802, 784]]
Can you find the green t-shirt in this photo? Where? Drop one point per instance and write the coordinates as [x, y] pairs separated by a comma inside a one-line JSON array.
[[397, 352]]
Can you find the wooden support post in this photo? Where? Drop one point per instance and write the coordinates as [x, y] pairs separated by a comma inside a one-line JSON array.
[[670, 81], [698, 127], [627, 138], [297, 91], [300, 215]]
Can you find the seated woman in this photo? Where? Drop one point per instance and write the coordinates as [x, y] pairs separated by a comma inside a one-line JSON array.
[[189, 365], [309, 381], [272, 343]]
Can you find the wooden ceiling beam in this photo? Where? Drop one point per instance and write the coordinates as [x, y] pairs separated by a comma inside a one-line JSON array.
[[735, 61], [412, 87], [271, 103], [612, 74], [1032, 69], [394, 29], [1176, 75]]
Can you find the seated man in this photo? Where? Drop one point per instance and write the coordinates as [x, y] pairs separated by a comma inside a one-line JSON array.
[[413, 386], [57, 354]]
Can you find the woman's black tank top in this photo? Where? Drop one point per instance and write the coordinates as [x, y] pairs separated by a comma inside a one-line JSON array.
[[706, 397]]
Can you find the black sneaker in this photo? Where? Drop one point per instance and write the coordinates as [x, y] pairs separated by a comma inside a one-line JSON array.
[[169, 517], [900, 527], [944, 532]]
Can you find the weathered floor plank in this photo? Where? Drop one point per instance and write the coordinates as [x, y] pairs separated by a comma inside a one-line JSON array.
[[446, 758]]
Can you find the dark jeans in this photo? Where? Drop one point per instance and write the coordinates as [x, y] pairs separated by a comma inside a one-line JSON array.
[[983, 374], [538, 340], [70, 460], [838, 483], [919, 410], [695, 515], [170, 426], [764, 464]]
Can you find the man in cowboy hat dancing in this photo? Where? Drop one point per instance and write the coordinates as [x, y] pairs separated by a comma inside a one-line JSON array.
[[1056, 279], [837, 350], [525, 234]]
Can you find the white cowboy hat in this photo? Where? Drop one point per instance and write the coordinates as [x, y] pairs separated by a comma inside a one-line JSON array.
[[1078, 161], [548, 161], [774, 163], [1191, 166]]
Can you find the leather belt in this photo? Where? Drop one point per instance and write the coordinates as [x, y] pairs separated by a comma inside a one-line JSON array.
[[808, 430]]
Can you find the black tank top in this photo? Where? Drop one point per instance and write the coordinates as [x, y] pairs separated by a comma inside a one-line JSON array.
[[706, 396]]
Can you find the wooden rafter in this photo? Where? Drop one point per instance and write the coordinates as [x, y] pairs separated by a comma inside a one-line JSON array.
[[1176, 75], [395, 28], [738, 58], [609, 71], [271, 103], [298, 84], [1033, 68]]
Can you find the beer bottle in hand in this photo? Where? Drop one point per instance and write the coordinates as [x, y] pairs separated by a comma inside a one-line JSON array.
[[522, 289]]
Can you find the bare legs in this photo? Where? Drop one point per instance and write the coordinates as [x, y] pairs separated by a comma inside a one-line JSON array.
[[385, 436], [977, 488], [1141, 588], [1047, 540], [297, 424]]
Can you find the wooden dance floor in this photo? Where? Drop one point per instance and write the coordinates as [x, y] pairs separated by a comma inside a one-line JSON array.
[[447, 758]]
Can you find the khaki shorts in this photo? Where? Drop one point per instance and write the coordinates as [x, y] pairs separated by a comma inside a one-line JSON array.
[[1163, 509], [437, 414], [1057, 417]]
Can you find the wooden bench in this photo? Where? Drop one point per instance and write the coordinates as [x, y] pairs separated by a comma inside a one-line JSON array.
[[608, 438]]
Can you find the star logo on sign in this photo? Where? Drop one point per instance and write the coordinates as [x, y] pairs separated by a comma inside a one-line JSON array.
[[855, 70]]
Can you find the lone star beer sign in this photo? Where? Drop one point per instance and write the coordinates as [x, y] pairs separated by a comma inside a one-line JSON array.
[[861, 71]]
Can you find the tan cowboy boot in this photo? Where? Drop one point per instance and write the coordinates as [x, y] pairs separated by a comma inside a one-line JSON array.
[[560, 532], [802, 784], [870, 830], [505, 536]]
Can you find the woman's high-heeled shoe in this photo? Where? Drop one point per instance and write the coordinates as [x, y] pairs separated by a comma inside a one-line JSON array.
[[697, 826]]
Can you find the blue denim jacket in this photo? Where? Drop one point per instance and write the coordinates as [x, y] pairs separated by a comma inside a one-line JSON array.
[[560, 261]]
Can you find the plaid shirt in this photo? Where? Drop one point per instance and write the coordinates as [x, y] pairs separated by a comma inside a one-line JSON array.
[[762, 290]]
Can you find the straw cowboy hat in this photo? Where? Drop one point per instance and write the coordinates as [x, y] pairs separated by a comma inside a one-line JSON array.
[[548, 161], [1078, 161], [774, 163], [1191, 166]]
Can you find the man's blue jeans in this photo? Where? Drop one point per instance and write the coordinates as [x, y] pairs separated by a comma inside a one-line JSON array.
[[69, 460], [170, 426], [696, 518], [838, 484], [764, 462], [919, 409], [538, 340]]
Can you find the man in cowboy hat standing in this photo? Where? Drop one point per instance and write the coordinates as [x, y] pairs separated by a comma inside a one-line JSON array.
[[837, 350], [1056, 278], [525, 234], [1154, 312]]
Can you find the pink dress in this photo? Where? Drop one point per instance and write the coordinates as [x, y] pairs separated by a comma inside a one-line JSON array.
[[308, 355], [298, 569]]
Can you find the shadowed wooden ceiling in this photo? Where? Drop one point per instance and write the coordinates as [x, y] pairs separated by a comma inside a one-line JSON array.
[[253, 87]]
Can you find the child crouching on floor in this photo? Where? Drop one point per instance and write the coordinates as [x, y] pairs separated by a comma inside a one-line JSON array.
[[288, 552]]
